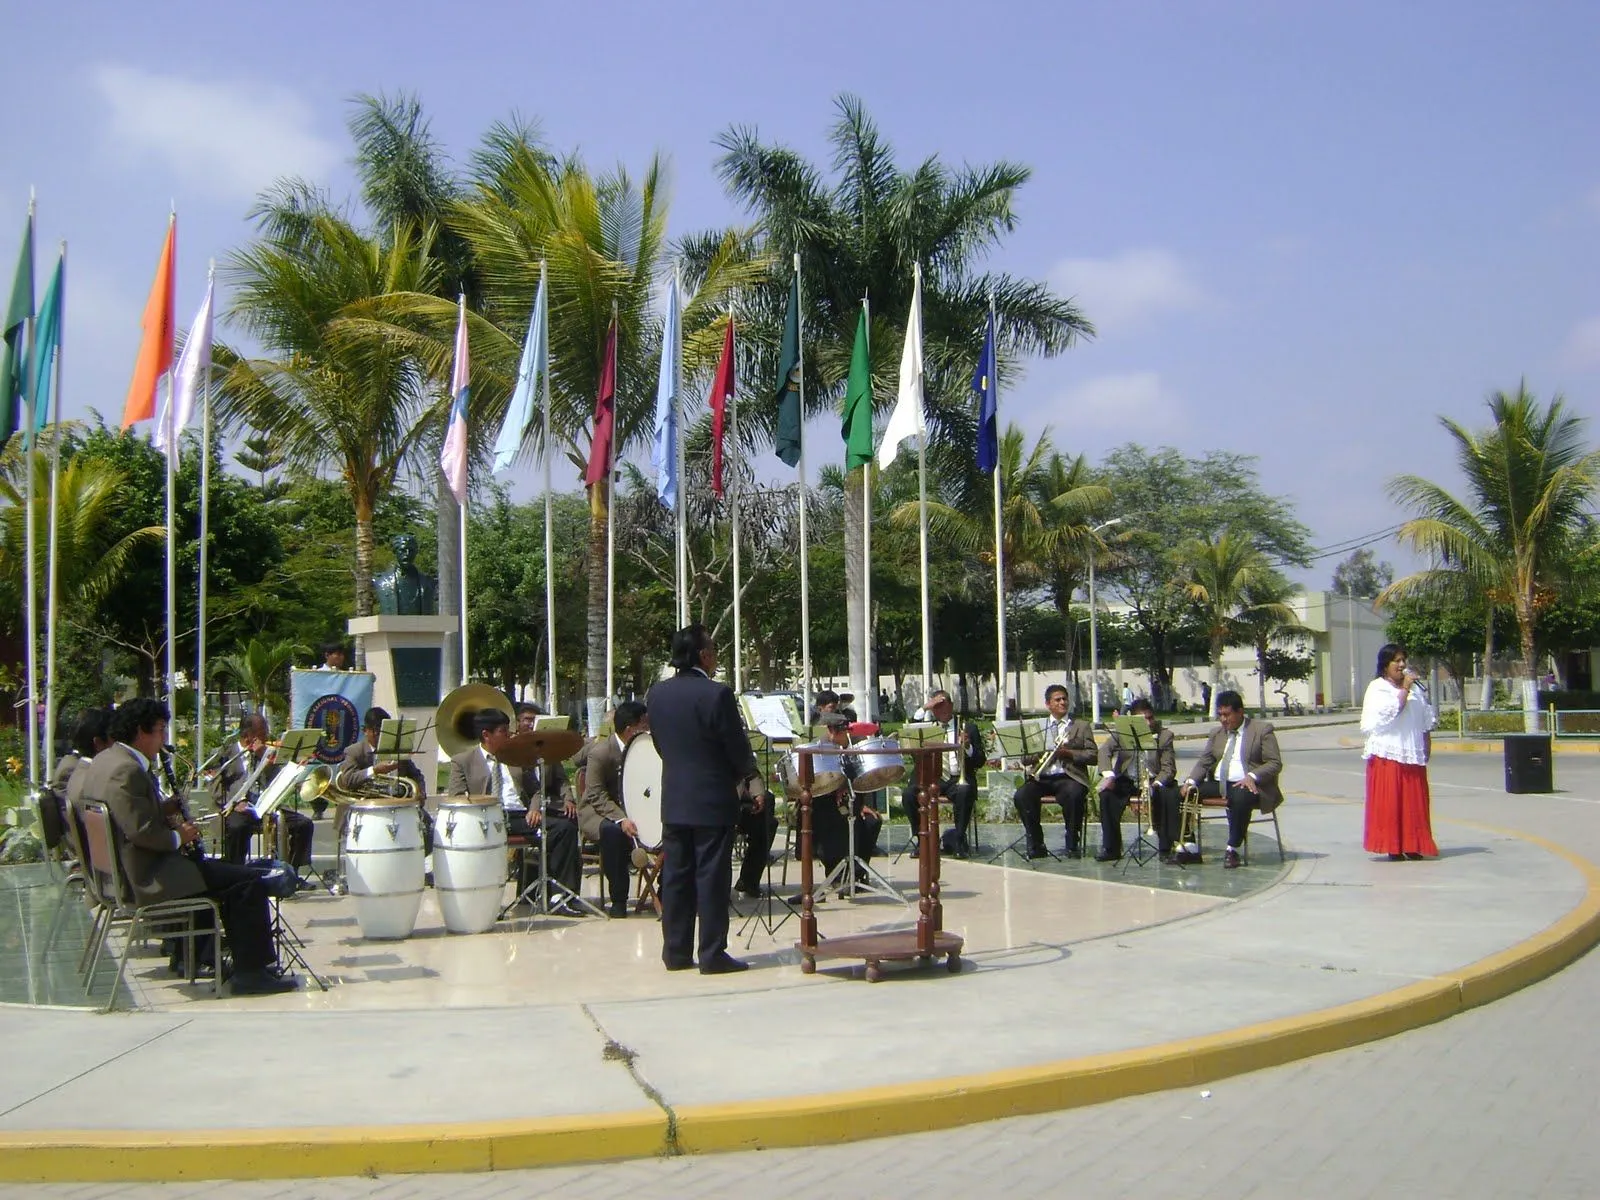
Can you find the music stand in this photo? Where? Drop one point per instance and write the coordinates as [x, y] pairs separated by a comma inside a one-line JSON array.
[[397, 738], [914, 736], [1134, 733], [761, 915], [294, 747], [1023, 741], [539, 891]]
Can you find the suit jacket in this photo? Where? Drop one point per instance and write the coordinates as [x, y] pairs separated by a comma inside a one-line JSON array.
[[236, 764], [1261, 759], [470, 776], [146, 841], [1163, 763], [602, 788], [705, 754], [359, 756]]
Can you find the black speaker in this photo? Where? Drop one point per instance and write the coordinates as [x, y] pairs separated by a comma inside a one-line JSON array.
[[1528, 763]]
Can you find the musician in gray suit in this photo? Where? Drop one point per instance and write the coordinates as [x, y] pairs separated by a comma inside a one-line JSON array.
[[705, 760], [1244, 756], [1119, 782], [531, 810], [152, 842], [1064, 777], [247, 767], [601, 815]]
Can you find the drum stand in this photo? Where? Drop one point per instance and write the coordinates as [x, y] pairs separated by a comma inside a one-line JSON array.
[[538, 892], [853, 868]]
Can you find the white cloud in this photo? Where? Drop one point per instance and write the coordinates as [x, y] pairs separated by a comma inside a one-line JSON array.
[[233, 138], [1581, 350], [1118, 293], [1131, 400]]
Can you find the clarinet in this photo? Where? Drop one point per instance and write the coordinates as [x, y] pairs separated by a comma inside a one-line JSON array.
[[194, 849]]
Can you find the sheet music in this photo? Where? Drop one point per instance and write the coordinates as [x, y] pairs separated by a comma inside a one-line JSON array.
[[769, 715]]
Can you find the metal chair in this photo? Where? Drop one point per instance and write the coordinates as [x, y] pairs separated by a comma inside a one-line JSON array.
[[1196, 810]]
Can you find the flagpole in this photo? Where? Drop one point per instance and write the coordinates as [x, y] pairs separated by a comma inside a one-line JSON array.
[[461, 515], [31, 604], [922, 504], [733, 420], [205, 545], [52, 554], [805, 569], [681, 505], [611, 523], [172, 568], [866, 701], [549, 516], [999, 517]]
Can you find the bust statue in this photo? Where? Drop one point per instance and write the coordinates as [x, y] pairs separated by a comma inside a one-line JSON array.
[[406, 591]]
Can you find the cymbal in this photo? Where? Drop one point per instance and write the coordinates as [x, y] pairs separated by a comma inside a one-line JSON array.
[[535, 745]]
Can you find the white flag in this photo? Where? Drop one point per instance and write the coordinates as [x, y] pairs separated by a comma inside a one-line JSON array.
[[189, 377], [906, 420]]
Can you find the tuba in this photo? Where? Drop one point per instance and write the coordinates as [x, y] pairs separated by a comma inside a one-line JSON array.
[[453, 718]]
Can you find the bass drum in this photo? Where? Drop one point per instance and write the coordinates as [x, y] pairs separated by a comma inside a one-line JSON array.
[[641, 790]]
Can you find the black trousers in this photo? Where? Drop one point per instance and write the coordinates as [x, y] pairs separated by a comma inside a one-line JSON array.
[[759, 829], [1113, 801], [696, 876], [566, 862], [245, 918], [962, 797], [1241, 803], [244, 825], [1166, 811], [1069, 793], [831, 833], [616, 850]]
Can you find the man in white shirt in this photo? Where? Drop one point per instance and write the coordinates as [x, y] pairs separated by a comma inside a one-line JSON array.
[[1244, 754], [333, 656], [1064, 777]]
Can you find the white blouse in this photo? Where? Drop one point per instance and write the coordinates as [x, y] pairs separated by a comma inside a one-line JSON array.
[[1396, 733]]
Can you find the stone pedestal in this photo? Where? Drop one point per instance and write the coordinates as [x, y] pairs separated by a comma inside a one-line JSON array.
[[406, 658]]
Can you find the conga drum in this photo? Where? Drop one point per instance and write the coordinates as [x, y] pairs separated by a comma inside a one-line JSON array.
[[469, 861], [383, 866]]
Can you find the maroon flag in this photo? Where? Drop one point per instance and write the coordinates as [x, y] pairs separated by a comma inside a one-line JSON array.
[[721, 394], [605, 412]]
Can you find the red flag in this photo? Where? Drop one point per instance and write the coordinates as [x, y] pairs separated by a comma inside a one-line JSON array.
[[155, 348], [605, 412], [721, 394]]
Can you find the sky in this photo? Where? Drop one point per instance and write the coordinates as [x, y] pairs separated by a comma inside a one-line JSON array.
[[1304, 232]]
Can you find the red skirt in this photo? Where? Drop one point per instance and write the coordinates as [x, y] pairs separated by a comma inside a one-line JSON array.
[[1397, 809]]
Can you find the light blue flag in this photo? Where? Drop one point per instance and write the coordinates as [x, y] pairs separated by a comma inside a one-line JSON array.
[[665, 455], [534, 368]]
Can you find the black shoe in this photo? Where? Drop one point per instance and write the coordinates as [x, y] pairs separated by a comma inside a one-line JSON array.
[[723, 964], [1035, 852], [677, 964], [1397, 858], [1187, 858], [963, 850], [1106, 856], [1168, 857], [618, 909], [262, 982], [1073, 852], [1415, 857], [1230, 859], [749, 893]]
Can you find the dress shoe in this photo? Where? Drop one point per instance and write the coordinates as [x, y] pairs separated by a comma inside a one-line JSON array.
[[749, 893], [1036, 852], [1073, 852], [261, 982], [1106, 856], [1415, 857], [1168, 857], [1187, 858], [723, 964], [677, 964], [1230, 859], [618, 909]]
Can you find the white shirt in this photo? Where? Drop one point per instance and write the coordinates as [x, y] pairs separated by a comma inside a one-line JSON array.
[[510, 798], [1395, 733], [1231, 768], [1053, 729], [952, 758]]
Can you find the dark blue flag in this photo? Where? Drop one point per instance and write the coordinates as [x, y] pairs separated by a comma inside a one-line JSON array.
[[986, 385]]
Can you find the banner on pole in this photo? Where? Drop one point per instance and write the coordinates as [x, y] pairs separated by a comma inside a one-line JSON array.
[[332, 701]]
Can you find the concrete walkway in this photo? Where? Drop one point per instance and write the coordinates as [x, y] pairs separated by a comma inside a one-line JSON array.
[[1342, 950]]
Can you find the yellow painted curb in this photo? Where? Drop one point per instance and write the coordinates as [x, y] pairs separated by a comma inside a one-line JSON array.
[[96, 1155]]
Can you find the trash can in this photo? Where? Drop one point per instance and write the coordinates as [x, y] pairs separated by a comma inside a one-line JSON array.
[[1528, 763]]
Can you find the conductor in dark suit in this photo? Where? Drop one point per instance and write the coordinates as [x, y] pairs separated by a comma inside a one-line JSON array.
[[705, 760], [151, 845]]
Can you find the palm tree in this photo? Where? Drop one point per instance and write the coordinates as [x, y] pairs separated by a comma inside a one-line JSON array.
[[1221, 576], [858, 236], [1268, 619], [359, 405], [1525, 521], [256, 670]]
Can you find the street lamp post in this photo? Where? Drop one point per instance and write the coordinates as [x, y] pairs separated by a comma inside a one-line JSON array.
[[1094, 636], [1350, 626]]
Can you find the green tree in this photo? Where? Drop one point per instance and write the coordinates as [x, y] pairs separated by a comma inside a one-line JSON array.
[[260, 671], [858, 235], [1223, 578], [1361, 574], [1524, 522], [1269, 624]]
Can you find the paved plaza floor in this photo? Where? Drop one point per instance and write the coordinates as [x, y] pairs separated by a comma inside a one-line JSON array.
[[1064, 971]]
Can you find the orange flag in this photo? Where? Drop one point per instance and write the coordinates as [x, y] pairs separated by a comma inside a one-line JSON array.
[[155, 348]]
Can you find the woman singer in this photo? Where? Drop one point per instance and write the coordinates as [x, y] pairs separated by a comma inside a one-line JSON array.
[[1396, 719]]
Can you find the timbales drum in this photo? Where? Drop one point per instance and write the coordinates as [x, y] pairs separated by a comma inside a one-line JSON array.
[[383, 867], [878, 771], [469, 861], [827, 770]]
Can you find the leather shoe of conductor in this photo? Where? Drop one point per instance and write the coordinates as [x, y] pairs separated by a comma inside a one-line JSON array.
[[262, 983], [723, 964]]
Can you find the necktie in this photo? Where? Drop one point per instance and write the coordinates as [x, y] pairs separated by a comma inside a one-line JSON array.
[[1227, 757], [497, 780]]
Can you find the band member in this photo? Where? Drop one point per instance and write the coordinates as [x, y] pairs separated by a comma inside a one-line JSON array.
[[828, 821], [1064, 777], [601, 815], [960, 782], [247, 767], [1118, 783], [361, 766], [333, 656], [90, 735], [705, 760], [151, 837], [479, 772], [1244, 755], [758, 821]]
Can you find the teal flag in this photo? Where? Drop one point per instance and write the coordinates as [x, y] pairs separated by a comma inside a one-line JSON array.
[[787, 394], [13, 361], [857, 427], [46, 349]]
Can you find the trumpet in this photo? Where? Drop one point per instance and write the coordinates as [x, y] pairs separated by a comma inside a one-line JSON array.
[[1048, 756]]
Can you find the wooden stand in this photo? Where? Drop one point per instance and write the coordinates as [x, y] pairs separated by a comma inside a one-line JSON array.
[[928, 940]]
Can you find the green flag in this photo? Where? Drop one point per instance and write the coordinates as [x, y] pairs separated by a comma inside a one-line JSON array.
[[857, 427], [787, 393], [13, 364], [46, 345]]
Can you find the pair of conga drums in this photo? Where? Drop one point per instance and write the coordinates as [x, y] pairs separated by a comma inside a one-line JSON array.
[[384, 864]]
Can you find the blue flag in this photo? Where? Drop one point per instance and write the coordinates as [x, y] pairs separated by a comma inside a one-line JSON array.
[[985, 383], [534, 368], [665, 454]]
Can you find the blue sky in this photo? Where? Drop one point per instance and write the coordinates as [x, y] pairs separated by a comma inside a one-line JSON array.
[[1304, 232]]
